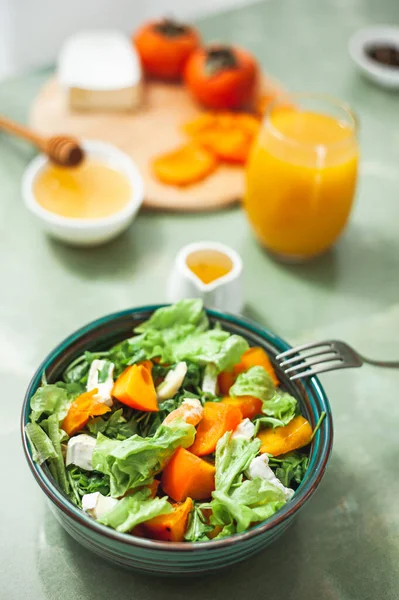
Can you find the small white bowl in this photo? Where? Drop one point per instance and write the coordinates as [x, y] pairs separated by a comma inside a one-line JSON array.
[[380, 74], [87, 232], [225, 293]]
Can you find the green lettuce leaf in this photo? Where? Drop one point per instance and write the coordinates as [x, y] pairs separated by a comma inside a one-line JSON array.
[[279, 407], [41, 446], [197, 527], [290, 467], [135, 509], [232, 458], [251, 502], [134, 462], [214, 346], [56, 463], [116, 426], [185, 312], [82, 482], [255, 382], [50, 399]]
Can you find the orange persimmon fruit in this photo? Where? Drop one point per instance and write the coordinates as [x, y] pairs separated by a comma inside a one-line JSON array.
[[170, 527], [218, 418], [256, 357], [185, 165], [81, 410], [222, 77], [248, 405], [280, 440], [164, 47], [188, 476], [135, 388]]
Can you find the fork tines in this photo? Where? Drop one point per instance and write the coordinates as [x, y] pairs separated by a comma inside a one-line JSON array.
[[304, 361]]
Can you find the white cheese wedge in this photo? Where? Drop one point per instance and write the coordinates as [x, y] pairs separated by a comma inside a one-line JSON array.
[[210, 380], [259, 467], [80, 451], [245, 430], [100, 70], [172, 382], [104, 387], [97, 505]]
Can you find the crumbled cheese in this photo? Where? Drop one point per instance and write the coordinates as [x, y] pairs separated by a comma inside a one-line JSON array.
[[245, 429], [210, 380], [172, 382], [97, 505], [104, 388], [80, 451], [259, 467]]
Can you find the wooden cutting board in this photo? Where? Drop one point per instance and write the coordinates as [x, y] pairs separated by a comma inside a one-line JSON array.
[[153, 129]]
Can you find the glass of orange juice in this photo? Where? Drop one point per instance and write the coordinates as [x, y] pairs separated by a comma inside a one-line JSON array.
[[301, 175]]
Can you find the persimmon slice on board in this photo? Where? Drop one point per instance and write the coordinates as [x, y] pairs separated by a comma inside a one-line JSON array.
[[185, 165]]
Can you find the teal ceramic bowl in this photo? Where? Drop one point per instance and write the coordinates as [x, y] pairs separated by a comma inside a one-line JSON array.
[[164, 558]]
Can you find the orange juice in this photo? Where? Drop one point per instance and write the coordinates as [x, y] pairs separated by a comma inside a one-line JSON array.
[[301, 179], [209, 265], [90, 191]]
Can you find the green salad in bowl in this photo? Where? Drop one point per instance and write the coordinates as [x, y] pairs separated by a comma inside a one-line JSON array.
[[180, 433]]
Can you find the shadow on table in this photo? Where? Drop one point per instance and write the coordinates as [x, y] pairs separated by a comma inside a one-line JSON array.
[[338, 548], [115, 258]]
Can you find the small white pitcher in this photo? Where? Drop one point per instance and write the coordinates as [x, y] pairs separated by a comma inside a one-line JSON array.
[[224, 293]]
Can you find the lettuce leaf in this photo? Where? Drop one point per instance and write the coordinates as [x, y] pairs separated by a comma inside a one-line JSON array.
[[185, 312], [134, 462], [56, 463], [232, 458], [50, 399], [135, 509], [255, 382], [251, 502], [278, 407], [214, 346], [41, 446]]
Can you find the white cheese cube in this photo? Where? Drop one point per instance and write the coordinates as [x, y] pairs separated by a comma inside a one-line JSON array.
[[80, 451], [97, 505], [245, 430], [259, 467], [172, 382], [210, 380], [105, 387], [100, 70]]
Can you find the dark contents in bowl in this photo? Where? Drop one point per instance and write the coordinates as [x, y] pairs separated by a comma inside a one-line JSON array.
[[384, 54]]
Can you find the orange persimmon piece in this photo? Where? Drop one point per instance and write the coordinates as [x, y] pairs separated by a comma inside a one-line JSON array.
[[218, 418], [248, 405], [225, 380], [280, 440], [135, 388], [81, 410], [188, 476], [147, 364], [185, 165], [170, 527], [256, 357]]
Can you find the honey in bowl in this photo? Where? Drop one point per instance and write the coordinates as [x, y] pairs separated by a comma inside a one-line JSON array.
[[93, 190], [209, 265]]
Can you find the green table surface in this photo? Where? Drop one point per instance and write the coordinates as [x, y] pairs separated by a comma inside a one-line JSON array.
[[345, 544]]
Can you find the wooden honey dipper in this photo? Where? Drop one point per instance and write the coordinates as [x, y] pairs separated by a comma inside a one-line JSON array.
[[63, 150]]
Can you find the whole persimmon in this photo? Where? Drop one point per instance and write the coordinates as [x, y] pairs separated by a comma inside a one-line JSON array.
[[164, 47], [222, 77]]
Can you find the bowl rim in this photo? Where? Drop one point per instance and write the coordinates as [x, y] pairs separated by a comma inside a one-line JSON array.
[[302, 494], [113, 157]]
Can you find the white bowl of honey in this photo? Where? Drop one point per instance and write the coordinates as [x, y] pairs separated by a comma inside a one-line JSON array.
[[86, 205], [208, 270]]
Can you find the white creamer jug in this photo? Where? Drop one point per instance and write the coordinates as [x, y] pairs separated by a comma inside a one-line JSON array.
[[210, 271]]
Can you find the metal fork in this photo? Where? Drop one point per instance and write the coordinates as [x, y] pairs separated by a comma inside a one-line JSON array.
[[320, 357]]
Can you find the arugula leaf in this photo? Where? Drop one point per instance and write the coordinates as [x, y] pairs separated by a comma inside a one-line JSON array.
[[115, 425], [197, 527], [232, 458], [134, 462], [135, 509], [290, 467], [81, 483], [39, 442]]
